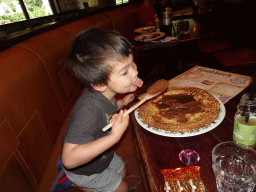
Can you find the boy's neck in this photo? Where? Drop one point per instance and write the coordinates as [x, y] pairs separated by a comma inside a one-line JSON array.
[[110, 96]]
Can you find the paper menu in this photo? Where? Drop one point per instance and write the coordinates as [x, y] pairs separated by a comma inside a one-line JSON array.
[[223, 85]]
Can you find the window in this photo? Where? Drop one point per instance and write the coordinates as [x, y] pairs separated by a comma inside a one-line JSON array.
[[67, 5], [18, 17], [118, 2], [12, 11], [92, 3]]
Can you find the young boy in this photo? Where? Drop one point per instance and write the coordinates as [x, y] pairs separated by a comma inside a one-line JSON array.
[[104, 63]]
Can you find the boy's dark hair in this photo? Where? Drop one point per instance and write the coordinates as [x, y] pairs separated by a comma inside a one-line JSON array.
[[92, 52]]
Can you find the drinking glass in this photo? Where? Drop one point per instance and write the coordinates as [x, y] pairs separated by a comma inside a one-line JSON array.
[[234, 167], [189, 157]]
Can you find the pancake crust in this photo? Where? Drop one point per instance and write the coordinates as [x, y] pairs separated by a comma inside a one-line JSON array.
[[173, 110]]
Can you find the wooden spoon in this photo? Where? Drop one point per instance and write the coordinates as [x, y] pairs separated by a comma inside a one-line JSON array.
[[154, 90]]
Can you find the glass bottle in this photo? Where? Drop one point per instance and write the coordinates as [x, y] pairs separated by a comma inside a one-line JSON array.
[[157, 24], [245, 122], [167, 17], [167, 22]]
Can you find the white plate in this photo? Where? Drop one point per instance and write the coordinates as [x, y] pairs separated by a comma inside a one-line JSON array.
[[167, 39], [162, 132], [147, 29], [147, 37]]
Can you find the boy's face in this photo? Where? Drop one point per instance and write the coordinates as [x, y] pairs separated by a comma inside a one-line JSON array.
[[123, 76]]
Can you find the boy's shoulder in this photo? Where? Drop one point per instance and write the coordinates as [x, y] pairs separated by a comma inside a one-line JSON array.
[[88, 100], [87, 108], [93, 102]]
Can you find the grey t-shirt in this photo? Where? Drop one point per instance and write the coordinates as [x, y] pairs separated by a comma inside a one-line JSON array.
[[90, 114]]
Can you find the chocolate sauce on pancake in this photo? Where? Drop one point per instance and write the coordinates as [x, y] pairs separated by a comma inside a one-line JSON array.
[[177, 106]]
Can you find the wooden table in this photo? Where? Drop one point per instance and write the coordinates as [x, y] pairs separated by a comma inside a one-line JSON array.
[[160, 152], [172, 57], [196, 31]]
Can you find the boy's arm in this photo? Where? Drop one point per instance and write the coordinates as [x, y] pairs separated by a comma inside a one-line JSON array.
[[74, 155]]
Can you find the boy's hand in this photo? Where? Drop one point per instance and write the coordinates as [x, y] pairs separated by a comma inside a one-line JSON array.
[[128, 99], [125, 101], [120, 124]]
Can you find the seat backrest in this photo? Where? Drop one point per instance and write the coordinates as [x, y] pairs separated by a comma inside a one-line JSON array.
[[30, 119], [51, 48]]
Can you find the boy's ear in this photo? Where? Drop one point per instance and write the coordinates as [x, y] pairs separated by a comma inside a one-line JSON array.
[[99, 87]]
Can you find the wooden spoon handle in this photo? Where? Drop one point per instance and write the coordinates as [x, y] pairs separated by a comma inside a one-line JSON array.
[[136, 105], [126, 113], [155, 89], [142, 96]]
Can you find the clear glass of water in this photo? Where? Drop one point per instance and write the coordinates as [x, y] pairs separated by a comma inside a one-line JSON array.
[[234, 167]]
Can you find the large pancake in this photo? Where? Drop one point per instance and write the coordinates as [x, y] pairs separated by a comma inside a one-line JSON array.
[[180, 109]]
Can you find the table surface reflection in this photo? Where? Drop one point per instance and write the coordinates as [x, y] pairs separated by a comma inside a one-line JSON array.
[[160, 152]]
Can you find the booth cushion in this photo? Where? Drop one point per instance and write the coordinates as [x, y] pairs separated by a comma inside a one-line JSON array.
[[37, 94]]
